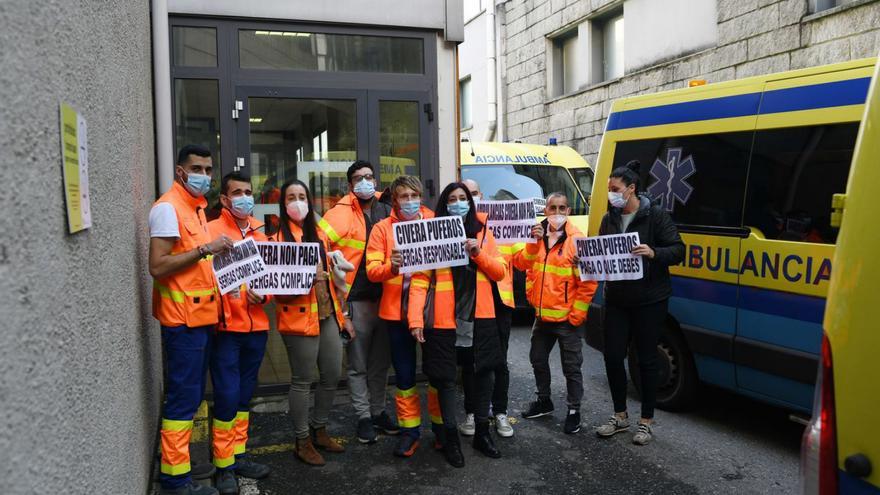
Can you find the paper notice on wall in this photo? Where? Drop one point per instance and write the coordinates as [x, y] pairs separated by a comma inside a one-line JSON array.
[[609, 257], [432, 243], [510, 221], [291, 268], [238, 265], [75, 169]]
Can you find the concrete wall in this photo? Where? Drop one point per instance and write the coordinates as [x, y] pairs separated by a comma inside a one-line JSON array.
[[753, 37], [472, 62], [80, 359]]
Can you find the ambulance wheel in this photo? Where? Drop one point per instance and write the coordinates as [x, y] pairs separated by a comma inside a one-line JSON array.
[[677, 381]]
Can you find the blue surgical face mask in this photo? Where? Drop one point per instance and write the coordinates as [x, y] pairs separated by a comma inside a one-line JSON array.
[[198, 185], [242, 206], [409, 210], [616, 199], [459, 208], [365, 189]]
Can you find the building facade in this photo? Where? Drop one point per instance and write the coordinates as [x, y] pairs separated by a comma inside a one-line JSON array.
[[562, 62]]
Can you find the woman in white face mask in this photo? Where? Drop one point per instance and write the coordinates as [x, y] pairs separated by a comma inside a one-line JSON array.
[[637, 307], [310, 326]]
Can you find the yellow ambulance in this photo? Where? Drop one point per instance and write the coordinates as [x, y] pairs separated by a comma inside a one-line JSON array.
[[747, 169], [841, 448]]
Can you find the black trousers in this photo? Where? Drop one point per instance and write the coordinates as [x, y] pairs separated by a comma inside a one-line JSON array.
[[642, 325], [477, 381]]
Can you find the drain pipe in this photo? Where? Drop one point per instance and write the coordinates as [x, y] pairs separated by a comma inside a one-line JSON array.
[[492, 96], [162, 96]]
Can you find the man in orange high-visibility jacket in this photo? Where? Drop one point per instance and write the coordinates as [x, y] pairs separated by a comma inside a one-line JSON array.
[[504, 306], [561, 301], [238, 347], [383, 264], [347, 226], [187, 304]]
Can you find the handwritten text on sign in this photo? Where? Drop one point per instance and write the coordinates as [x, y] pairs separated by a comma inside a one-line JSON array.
[[609, 257], [432, 243], [290, 268], [237, 265], [510, 221]]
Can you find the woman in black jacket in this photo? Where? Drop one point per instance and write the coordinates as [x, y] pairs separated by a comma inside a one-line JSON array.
[[637, 308]]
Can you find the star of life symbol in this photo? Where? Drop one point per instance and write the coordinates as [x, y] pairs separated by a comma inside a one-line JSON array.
[[671, 179]]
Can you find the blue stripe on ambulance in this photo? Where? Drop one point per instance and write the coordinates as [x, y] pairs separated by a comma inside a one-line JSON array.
[[825, 95]]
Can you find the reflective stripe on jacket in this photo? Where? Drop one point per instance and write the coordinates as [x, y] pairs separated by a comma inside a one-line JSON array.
[[379, 265], [187, 297], [491, 267], [239, 315], [298, 315], [346, 230], [553, 284], [505, 285]]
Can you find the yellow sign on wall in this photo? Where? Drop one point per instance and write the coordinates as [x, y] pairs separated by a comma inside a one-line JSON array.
[[75, 168]]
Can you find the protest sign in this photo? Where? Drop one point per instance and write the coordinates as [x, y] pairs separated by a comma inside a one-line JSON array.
[[510, 221], [237, 265], [290, 268], [540, 204], [609, 257], [432, 243]]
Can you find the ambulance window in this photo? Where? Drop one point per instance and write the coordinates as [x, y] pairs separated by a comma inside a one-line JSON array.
[[794, 174], [700, 180], [506, 182]]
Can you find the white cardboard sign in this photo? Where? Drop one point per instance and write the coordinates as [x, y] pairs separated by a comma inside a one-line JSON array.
[[431, 243], [238, 265], [511, 222], [291, 268], [609, 257]]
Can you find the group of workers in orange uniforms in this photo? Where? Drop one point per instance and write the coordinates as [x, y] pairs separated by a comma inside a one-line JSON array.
[[378, 309]]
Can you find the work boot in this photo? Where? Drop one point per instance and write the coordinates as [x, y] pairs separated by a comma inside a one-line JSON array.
[[483, 440], [250, 469], [439, 435], [366, 433], [385, 424], [190, 489], [306, 452], [202, 470], [467, 428], [406, 446], [452, 448], [225, 482], [541, 407], [323, 441]]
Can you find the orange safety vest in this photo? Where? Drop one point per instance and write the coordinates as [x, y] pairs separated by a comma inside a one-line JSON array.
[[188, 297], [505, 285], [490, 266], [553, 284], [346, 229], [379, 265], [298, 315], [239, 315]]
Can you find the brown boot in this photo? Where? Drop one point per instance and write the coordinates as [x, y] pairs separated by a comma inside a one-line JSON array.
[[306, 452], [323, 441]]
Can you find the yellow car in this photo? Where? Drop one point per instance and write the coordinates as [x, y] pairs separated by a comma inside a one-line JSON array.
[[841, 447]]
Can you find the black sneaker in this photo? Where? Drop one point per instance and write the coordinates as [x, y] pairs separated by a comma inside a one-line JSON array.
[[406, 446], [250, 469], [385, 424], [365, 431], [225, 482], [541, 407], [572, 422]]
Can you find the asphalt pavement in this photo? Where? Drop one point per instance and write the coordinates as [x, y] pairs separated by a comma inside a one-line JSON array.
[[729, 444]]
